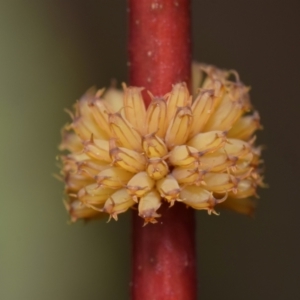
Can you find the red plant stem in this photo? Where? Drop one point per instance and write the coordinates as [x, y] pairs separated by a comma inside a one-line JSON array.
[[163, 263], [160, 55], [159, 44]]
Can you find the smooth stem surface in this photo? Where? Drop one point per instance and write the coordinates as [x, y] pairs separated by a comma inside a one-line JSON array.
[[164, 256], [163, 261], [159, 44]]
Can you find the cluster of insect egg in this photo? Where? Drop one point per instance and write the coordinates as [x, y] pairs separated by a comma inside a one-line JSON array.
[[198, 152]]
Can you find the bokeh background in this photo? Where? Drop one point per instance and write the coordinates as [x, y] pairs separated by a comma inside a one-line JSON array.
[[51, 52]]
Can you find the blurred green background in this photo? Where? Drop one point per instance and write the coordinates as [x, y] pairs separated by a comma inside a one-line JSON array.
[[51, 52]]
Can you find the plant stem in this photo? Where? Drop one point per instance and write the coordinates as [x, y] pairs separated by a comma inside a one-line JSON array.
[[163, 266], [159, 44], [163, 263]]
